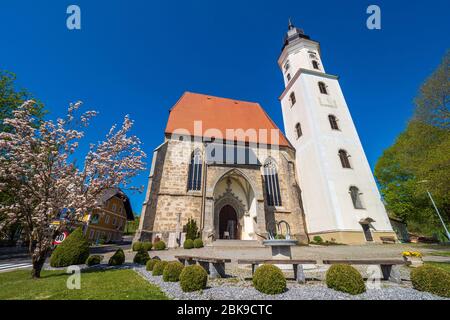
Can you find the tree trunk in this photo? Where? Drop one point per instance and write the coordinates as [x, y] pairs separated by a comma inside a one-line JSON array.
[[38, 260]]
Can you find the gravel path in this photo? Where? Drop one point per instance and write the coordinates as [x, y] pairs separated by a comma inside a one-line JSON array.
[[236, 289]]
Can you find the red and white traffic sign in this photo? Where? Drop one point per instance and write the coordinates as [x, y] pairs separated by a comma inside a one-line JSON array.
[[60, 238]]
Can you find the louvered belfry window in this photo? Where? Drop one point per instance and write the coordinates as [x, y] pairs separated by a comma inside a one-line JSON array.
[[195, 171]]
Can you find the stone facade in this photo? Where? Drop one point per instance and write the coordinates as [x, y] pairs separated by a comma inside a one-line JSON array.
[[169, 204]]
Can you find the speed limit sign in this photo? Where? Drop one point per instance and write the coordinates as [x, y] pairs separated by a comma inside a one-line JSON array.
[[60, 238]]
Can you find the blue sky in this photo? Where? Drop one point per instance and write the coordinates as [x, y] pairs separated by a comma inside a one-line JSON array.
[[137, 57]]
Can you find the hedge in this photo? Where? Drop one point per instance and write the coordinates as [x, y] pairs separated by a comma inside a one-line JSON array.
[[431, 279], [141, 257], [117, 259], [150, 264], [147, 245], [137, 246], [345, 278], [198, 243], [172, 271], [188, 244], [94, 260], [193, 278], [269, 279], [158, 268], [160, 245], [73, 250]]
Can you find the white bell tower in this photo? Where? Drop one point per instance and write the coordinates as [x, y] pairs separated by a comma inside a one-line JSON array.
[[340, 197]]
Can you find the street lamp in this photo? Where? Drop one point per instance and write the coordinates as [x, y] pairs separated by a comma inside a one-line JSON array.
[[437, 210]]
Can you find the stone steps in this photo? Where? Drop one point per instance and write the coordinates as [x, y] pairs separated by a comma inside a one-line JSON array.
[[236, 244]]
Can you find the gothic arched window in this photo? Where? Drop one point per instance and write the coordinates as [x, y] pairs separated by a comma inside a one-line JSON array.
[[195, 171], [356, 197], [298, 130], [315, 64], [323, 88], [272, 184], [343, 155], [333, 122]]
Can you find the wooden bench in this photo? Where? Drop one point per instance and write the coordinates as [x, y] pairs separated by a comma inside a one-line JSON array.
[[389, 267], [214, 266], [297, 265], [387, 239]]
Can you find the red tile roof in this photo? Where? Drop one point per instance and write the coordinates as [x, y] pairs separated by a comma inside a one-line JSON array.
[[222, 114]]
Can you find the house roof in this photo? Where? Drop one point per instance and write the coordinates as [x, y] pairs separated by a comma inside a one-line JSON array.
[[222, 114], [116, 192]]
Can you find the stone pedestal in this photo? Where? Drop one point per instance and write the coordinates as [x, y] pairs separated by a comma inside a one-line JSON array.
[[281, 250]]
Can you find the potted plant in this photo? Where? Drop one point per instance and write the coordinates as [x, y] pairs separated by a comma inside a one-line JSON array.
[[413, 258]]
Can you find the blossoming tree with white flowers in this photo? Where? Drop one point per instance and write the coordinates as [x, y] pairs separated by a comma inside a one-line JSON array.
[[39, 172]]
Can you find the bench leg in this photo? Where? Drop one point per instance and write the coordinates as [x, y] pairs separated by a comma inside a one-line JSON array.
[[216, 270], [391, 273], [299, 275], [183, 261], [190, 262], [253, 269], [204, 265]]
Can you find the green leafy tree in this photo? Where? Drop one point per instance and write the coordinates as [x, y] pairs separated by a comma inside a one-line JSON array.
[[132, 226], [11, 98], [192, 230], [419, 160]]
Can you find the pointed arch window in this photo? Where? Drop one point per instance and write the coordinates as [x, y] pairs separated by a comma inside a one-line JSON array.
[[315, 64], [343, 156], [323, 88], [298, 130], [356, 197], [333, 122], [195, 171], [272, 184]]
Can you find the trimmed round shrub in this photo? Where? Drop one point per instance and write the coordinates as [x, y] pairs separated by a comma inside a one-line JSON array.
[[73, 250], [137, 246], [117, 259], [318, 239], [158, 268], [141, 257], [94, 260], [198, 243], [193, 278], [345, 278], [188, 244], [147, 246], [269, 279], [431, 279], [150, 264], [160, 245], [172, 271]]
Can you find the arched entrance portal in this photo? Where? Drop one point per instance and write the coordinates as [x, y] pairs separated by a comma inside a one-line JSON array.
[[235, 207], [228, 223]]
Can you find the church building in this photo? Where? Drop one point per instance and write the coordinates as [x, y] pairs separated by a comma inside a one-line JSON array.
[[226, 164]]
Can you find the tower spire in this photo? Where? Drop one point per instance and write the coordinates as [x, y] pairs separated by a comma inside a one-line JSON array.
[[290, 25]]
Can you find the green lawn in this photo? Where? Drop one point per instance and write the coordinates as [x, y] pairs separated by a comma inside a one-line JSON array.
[[442, 265], [440, 253], [95, 285]]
